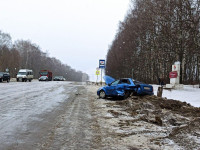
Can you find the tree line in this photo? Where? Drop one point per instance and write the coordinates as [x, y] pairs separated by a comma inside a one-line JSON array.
[[27, 55], [154, 35]]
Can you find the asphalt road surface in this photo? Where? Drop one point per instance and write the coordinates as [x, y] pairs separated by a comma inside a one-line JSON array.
[[47, 115]]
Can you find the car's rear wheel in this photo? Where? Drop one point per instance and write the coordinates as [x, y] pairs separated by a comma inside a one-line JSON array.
[[102, 94]]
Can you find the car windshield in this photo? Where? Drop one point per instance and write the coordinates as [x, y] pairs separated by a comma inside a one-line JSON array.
[[115, 82], [58, 77], [21, 73], [1, 73], [43, 73]]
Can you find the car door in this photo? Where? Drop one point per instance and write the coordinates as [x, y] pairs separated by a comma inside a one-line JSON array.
[[122, 85], [111, 89]]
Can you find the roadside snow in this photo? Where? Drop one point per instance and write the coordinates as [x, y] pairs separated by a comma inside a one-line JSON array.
[[190, 94]]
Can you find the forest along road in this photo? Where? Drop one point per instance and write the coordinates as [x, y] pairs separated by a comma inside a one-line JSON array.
[[47, 115]]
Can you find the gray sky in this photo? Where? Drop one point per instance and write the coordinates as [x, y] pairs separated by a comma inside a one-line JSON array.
[[77, 32]]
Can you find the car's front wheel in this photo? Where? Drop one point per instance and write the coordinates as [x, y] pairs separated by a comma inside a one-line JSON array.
[[102, 94]]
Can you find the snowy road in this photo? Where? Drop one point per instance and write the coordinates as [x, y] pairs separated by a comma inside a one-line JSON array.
[[46, 115], [64, 115]]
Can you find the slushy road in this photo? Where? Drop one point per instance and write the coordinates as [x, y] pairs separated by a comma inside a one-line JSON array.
[[47, 115]]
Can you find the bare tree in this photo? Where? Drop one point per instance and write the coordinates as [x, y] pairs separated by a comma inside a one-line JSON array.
[[155, 34]]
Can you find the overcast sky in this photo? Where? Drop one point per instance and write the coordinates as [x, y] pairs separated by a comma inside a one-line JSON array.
[[77, 32]]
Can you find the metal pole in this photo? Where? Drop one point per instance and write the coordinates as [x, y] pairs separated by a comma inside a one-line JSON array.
[[97, 80], [101, 76], [198, 69]]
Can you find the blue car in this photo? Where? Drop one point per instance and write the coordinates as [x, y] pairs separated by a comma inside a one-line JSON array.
[[123, 88]]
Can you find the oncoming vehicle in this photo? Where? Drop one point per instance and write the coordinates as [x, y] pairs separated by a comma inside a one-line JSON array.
[[46, 73], [123, 88], [43, 78], [24, 75], [4, 76], [59, 78]]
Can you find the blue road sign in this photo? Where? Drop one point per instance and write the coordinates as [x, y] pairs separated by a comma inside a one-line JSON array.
[[102, 63]]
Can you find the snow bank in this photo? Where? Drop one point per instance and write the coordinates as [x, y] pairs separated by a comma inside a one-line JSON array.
[[190, 94]]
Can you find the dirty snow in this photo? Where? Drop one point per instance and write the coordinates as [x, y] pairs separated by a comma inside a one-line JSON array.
[[189, 94], [132, 124]]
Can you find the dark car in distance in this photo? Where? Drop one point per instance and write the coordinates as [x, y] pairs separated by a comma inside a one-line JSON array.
[[123, 88], [4, 76], [43, 78]]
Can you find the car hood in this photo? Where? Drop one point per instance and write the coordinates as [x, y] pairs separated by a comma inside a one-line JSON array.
[[43, 77], [108, 79]]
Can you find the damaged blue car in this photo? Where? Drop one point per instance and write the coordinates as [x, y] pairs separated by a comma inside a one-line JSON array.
[[123, 88]]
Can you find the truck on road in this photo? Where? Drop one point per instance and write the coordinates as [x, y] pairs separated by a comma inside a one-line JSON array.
[[46, 73]]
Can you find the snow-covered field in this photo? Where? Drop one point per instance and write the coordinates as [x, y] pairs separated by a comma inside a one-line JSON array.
[[189, 94]]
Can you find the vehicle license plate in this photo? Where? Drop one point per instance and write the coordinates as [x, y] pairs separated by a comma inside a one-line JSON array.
[[146, 88]]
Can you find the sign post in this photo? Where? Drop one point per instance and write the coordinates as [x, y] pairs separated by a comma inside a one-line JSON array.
[[101, 66], [97, 73], [198, 69], [174, 76]]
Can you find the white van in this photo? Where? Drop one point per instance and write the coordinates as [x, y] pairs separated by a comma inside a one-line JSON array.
[[24, 75]]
